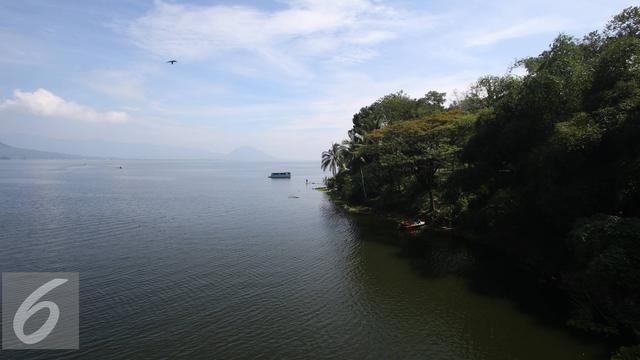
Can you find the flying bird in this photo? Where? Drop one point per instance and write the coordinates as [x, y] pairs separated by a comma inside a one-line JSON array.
[[172, 62]]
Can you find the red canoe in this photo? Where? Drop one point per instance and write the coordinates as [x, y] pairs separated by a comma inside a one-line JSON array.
[[410, 225]]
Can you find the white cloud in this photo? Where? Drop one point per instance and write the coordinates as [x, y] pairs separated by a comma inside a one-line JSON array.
[[44, 103], [284, 37], [523, 29]]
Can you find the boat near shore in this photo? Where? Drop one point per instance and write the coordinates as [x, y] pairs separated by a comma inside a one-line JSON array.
[[280, 175], [412, 225]]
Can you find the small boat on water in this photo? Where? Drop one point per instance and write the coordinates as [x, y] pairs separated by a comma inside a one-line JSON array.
[[280, 175], [412, 225]]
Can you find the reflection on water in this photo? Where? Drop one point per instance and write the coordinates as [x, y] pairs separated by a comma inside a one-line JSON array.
[[200, 259], [436, 297]]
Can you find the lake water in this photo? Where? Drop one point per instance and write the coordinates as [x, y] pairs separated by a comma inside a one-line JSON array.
[[199, 259]]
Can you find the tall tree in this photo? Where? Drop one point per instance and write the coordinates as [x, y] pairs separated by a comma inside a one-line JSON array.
[[333, 159]]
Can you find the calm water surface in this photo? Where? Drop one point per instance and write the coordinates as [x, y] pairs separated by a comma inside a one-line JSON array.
[[199, 259]]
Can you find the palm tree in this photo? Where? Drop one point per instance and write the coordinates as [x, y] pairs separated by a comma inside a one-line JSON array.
[[350, 146], [339, 156], [333, 158], [355, 140]]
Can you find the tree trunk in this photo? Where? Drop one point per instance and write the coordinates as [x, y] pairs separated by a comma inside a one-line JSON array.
[[431, 209], [430, 176], [364, 190]]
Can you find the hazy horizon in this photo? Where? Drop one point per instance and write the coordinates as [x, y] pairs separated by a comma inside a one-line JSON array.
[[284, 77], [125, 151]]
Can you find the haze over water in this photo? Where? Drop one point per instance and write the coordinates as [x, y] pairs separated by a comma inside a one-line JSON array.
[[202, 259]]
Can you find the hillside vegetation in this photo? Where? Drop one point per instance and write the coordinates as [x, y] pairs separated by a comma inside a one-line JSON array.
[[544, 166]]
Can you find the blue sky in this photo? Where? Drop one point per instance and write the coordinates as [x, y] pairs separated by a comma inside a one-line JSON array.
[[282, 76]]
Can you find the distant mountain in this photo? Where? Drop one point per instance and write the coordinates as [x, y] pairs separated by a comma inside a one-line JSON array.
[[246, 153], [9, 152], [24, 147], [106, 149]]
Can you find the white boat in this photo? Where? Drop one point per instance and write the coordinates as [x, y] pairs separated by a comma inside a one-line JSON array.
[[280, 175]]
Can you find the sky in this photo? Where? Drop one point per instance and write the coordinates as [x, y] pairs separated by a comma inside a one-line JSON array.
[[282, 76]]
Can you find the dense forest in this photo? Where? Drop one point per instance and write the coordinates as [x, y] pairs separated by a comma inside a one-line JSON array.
[[543, 166]]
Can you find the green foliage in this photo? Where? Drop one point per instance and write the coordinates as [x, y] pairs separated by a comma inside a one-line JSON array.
[[605, 271], [626, 23], [431, 103], [487, 92], [545, 166], [581, 133], [627, 353], [394, 108], [412, 159]]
